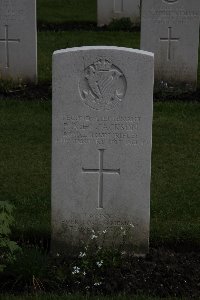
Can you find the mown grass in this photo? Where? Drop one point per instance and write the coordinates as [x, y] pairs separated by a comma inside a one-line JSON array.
[[25, 166], [25, 163], [25, 152], [77, 297], [176, 172], [63, 11]]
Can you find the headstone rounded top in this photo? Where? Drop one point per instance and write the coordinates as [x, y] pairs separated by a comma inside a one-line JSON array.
[[113, 48]]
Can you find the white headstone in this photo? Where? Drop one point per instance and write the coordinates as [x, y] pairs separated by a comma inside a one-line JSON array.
[[117, 9], [102, 128], [18, 49], [170, 29]]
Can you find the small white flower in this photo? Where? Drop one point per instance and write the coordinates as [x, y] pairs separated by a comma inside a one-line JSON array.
[[82, 254], [97, 283], [93, 237], [99, 263], [57, 254], [99, 248], [76, 270], [104, 231], [84, 273], [87, 287], [132, 225], [121, 228]]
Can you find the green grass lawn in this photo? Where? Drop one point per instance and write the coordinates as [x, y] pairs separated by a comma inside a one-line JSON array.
[[176, 172], [54, 297], [25, 151], [25, 163], [25, 166], [63, 11]]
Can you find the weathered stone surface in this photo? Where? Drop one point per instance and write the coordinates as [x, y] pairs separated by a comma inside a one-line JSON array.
[[102, 129], [170, 29], [18, 38], [117, 9]]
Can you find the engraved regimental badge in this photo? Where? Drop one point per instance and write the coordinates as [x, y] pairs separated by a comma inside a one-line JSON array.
[[103, 85]]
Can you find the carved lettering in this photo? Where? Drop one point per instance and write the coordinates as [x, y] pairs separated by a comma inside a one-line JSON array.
[[177, 16], [101, 131], [8, 13], [111, 222]]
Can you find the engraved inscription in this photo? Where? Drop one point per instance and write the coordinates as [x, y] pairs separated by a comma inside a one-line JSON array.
[[100, 217], [101, 172], [7, 13], [102, 131], [169, 40], [118, 6], [103, 85], [176, 15], [92, 222], [6, 42]]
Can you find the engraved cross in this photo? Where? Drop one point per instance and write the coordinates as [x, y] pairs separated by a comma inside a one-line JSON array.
[[6, 40], [101, 172], [169, 39]]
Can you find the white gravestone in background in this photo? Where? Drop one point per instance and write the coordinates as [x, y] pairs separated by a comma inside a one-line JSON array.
[[170, 29], [117, 9], [18, 40], [102, 128]]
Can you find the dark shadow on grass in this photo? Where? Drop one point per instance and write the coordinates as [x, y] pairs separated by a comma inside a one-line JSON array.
[[43, 238], [43, 92], [84, 25], [162, 273]]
